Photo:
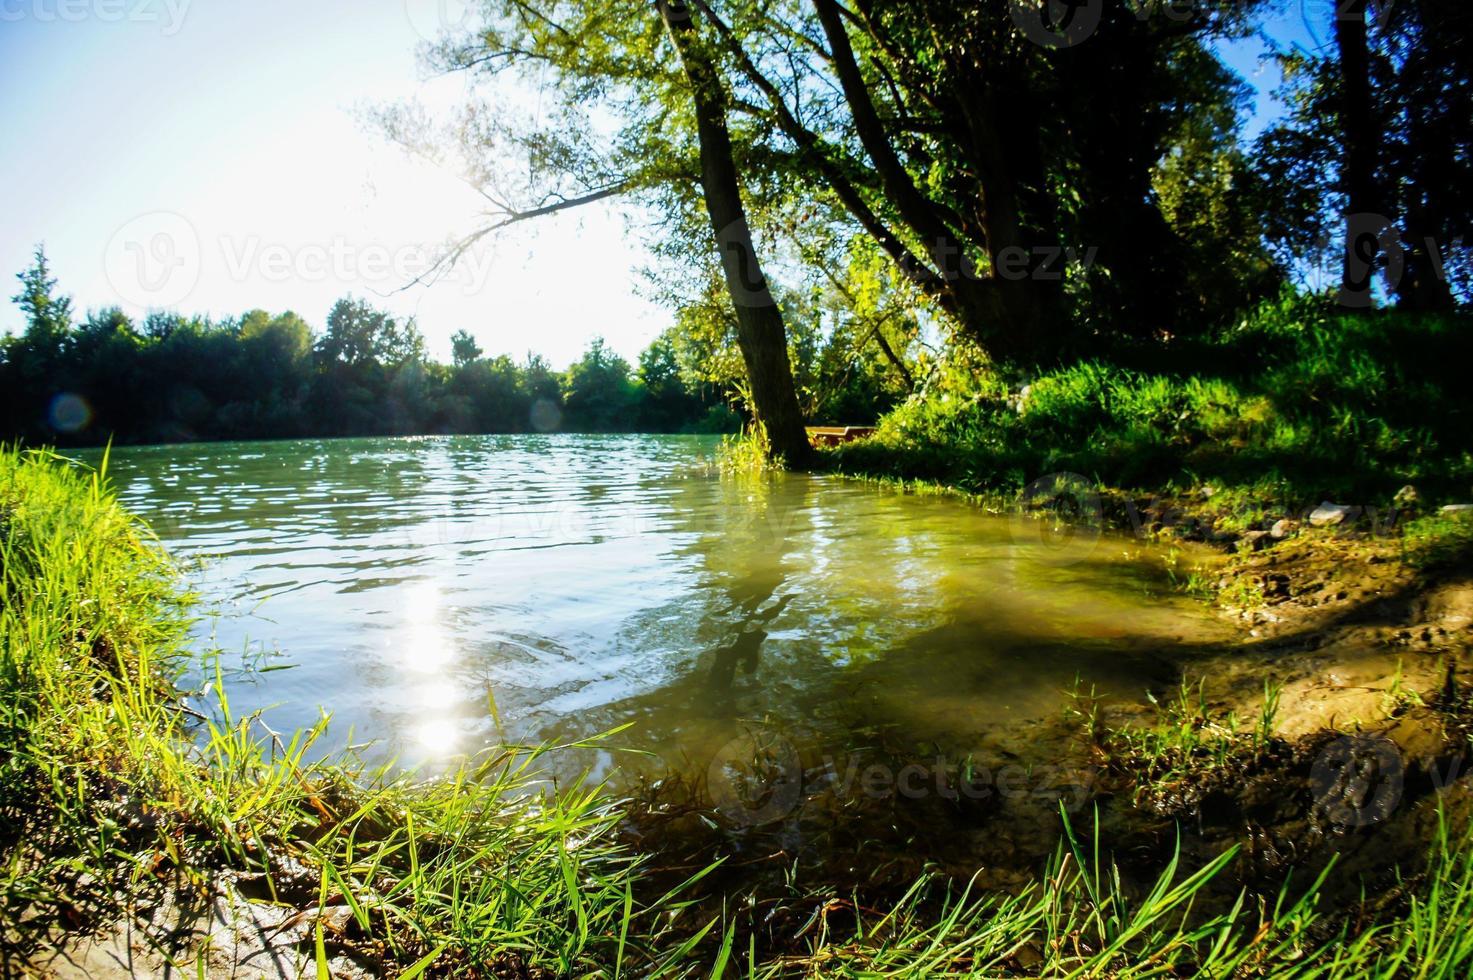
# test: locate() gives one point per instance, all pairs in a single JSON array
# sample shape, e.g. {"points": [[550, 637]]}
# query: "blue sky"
{"points": [[206, 155]]}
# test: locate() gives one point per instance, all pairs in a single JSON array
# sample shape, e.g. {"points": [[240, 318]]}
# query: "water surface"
{"points": [[438, 595]]}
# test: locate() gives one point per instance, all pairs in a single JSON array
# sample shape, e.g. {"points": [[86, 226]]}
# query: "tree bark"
{"points": [[1012, 311], [1358, 132], [761, 333]]}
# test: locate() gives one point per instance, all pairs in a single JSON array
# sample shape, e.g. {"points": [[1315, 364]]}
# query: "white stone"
{"points": [[1328, 514]]}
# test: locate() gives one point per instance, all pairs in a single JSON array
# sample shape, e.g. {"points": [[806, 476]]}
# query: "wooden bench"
{"points": [[834, 435]]}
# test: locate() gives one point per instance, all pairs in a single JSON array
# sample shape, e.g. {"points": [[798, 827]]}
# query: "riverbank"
{"points": [[148, 828], [1322, 452]]}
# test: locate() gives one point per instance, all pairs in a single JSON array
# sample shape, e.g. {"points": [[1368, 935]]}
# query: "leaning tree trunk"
{"points": [[1359, 136], [760, 331]]}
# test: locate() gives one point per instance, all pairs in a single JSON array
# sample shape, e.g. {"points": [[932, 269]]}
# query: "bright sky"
{"points": [[205, 155]]}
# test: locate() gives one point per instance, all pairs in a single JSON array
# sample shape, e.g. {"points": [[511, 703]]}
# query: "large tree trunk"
{"points": [[1015, 311], [1359, 136], [761, 333], [1423, 285]]}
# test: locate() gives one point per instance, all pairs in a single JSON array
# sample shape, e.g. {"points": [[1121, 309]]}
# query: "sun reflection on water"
{"points": [[426, 653], [437, 736]]}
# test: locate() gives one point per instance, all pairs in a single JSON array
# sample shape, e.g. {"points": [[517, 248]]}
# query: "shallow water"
{"points": [[438, 595]]}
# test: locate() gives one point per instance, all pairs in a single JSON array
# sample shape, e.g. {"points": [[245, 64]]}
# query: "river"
{"points": [[441, 595]]}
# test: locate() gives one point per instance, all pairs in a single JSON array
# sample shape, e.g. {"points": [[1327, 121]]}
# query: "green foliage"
{"points": [[48, 316], [1440, 542], [463, 348], [265, 376], [1298, 399], [598, 392]]}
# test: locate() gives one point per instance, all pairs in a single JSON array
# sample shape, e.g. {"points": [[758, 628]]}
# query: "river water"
{"points": [[440, 595]]}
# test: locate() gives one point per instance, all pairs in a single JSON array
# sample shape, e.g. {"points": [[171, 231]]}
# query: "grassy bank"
{"points": [[1295, 404], [116, 794], [124, 802]]}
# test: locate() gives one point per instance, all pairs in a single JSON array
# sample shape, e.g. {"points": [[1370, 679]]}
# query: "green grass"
{"points": [[107, 783], [110, 785], [1185, 748], [1298, 402], [1440, 542], [1079, 920]]}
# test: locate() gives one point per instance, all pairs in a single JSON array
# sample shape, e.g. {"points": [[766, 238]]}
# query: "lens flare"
{"points": [[69, 412]]}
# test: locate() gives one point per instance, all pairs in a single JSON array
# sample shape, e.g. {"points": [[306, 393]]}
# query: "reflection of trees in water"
{"points": [[747, 647], [748, 528]]}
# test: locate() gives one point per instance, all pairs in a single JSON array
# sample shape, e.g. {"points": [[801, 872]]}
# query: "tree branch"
{"points": [[809, 143], [508, 217], [917, 211]]}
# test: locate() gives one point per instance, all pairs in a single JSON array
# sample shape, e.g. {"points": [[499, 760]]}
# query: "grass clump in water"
{"points": [[749, 452]]}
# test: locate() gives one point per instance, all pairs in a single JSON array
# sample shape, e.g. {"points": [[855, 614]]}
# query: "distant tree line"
{"points": [[171, 377]]}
